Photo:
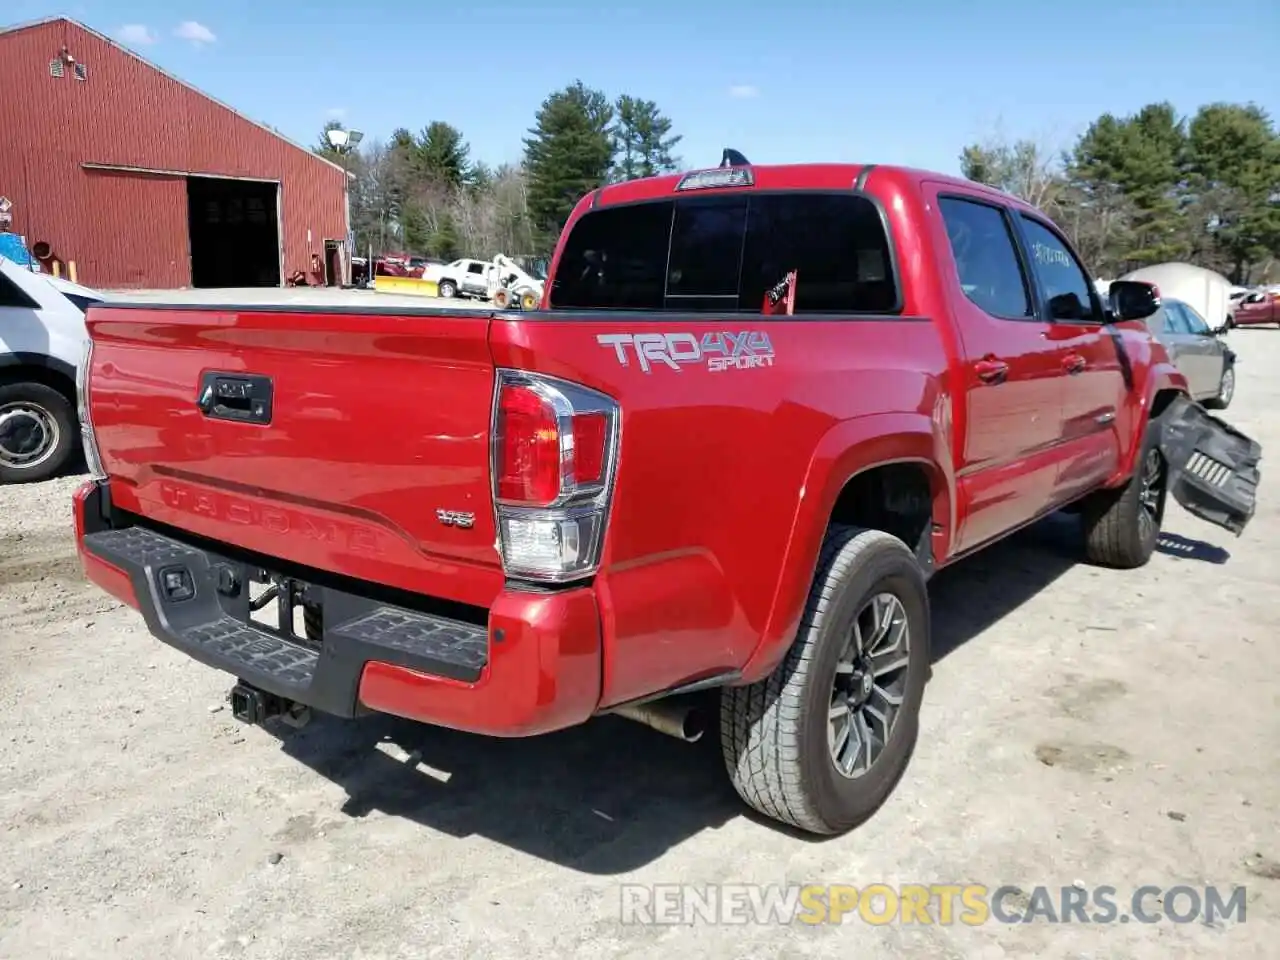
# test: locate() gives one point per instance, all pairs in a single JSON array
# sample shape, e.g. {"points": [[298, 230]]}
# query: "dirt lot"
{"points": [[1082, 727]]}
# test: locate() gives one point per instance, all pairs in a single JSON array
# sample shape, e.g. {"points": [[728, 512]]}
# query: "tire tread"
{"points": [[760, 724], [1112, 537]]}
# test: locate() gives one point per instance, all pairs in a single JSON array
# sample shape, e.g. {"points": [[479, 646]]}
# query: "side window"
{"points": [[835, 243], [615, 258], [475, 267], [1175, 318], [986, 258], [11, 295], [1195, 323], [1066, 288]]}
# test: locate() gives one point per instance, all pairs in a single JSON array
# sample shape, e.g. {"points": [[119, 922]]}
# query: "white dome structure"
{"points": [[1204, 290]]}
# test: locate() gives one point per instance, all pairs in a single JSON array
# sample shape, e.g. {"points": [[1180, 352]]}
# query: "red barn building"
{"points": [[143, 181]]}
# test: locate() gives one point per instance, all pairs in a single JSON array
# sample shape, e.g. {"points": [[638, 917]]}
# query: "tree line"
{"points": [[424, 193], [1132, 190], [1152, 187]]}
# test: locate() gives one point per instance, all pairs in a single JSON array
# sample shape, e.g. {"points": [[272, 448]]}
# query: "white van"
{"points": [[42, 341]]}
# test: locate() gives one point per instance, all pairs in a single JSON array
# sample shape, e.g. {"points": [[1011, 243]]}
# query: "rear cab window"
{"points": [[1069, 295], [724, 253], [986, 258]]}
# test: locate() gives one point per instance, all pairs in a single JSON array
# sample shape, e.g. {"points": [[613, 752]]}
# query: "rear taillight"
{"points": [[554, 448], [87, 439]]}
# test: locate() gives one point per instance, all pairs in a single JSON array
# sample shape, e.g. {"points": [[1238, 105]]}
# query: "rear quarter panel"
{"points": [[726, 478]]}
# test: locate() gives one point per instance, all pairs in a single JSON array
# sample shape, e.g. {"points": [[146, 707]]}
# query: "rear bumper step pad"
{"points": [[1214, 467], [210, 625]]}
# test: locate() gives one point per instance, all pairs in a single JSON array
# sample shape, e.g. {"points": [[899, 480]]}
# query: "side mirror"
{"points": [[1133, 299]]}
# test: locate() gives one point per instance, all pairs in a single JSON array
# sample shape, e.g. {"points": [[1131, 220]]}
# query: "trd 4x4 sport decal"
{"points": [[718, 351]]}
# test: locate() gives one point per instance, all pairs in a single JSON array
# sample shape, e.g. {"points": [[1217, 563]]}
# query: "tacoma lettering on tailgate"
{"points": [[719, 351], [275, 520]]}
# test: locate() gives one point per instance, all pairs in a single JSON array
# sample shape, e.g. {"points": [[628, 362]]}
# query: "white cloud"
{"points": [[138, 34], [197, 33], [744, 91], [337, 113]]}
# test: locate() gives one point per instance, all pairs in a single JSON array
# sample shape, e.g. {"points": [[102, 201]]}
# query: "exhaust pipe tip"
{"points": [[682, 721], [693, 727]]}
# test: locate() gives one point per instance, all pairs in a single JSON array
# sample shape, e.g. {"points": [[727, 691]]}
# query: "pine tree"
{"points": [[440, 155], [1234, 179], [568, 153], [642, 139], [1143, 156]]}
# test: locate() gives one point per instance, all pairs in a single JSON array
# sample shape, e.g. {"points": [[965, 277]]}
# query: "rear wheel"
{"points": [[37, 432], [821, 742], [1226, 389], [1122, 526]]}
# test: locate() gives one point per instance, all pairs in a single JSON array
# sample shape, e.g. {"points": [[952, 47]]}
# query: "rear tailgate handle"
{"points": [[1073, 363], [244, 397], [1213, 467]]}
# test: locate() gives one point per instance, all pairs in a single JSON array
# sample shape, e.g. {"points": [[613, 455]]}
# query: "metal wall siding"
{"points": [[130, 229]]}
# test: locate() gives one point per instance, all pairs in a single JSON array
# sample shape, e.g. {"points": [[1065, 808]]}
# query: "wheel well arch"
{"points": [[33, 368], [1160, 402], [900, 497]]}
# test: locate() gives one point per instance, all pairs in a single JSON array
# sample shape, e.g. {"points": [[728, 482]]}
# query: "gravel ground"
{"points": [[1082, 727]]}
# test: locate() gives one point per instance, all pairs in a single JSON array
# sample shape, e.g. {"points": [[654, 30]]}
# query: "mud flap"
{"points": [[1213, 467]]}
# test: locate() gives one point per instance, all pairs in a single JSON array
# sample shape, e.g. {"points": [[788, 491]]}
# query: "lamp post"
{"points": [[343, 142]]}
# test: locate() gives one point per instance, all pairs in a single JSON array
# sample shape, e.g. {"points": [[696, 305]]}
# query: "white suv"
{"points": [[42, 341]]}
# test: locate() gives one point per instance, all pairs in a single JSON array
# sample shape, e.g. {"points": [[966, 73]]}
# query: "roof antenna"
{"points": [[732, 158]]}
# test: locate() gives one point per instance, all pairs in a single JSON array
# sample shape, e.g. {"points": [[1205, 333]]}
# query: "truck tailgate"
{"points": [[336, 440]]}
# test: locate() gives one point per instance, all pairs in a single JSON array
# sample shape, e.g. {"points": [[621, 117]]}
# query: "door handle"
{"points": [[991, 370], [1073, 363]]}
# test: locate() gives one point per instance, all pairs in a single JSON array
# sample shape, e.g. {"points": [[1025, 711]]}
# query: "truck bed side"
{"points": [[713, 468]]}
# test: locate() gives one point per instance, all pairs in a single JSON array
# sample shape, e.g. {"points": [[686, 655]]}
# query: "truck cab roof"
{"points": [[795, 176]]}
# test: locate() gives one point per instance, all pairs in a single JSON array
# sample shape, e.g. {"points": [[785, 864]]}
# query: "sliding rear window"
{"points": [[721, 254]]}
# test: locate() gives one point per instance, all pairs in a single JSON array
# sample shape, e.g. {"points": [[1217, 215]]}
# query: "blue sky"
{"points": [[802, 80]]}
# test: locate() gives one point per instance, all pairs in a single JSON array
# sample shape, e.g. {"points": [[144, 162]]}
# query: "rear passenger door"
{"points": [[1175, 334], [1205, 350], [1010, 376], [1088, 354]]}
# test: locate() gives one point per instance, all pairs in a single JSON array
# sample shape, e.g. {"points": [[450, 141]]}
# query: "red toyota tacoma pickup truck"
{"points": [[758, 407]]}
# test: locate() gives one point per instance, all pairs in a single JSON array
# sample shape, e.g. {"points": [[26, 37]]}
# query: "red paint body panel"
{"points": [[692, 558], [129, 228], [379, 421], [543, 676], [1266, 310], [110, 578], [725, 481]]}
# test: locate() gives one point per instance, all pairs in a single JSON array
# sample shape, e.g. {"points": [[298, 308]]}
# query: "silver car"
{"points": [[1197, 350]]}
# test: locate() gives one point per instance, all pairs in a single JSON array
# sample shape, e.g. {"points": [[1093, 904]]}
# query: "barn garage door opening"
{"points": [[235, 233]]}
